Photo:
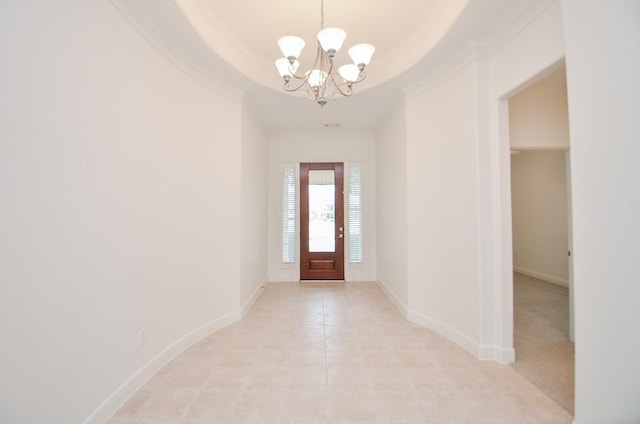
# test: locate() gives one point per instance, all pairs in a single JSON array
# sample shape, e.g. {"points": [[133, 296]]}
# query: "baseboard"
{"points": [[492, 353], [248, 304], [404, 310], [482, 352], [495, 353], [506, 356], [450, 333], [128, 388], [321, 281], [541, 276]]}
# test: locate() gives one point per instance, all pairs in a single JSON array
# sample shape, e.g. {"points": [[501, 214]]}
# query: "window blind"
{"points": [[355, 213], [289, 214]]}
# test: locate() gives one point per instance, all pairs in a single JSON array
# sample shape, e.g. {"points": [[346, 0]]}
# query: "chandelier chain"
{"points": [[321, 14]]}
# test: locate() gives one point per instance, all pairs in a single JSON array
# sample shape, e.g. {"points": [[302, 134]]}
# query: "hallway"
{"points": [[333, 353]]}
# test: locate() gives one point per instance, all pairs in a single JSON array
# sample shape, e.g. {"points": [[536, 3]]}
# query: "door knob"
{"points": [[340, 235]]}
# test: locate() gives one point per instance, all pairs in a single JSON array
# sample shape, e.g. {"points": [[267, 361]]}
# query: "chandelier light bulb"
{"points": [[331, 39], [291, 46]]}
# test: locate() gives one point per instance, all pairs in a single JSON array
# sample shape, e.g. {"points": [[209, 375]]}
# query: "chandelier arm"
{"points": [[361, 77], [329, 62], [346, 90], [288, 86], [300, 77], [341, 86]]}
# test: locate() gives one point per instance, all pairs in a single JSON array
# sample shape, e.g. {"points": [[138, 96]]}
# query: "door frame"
{"points": [[329, 265], [288, 150]]}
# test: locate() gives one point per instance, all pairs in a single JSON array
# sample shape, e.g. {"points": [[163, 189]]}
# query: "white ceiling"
{"points": [[244, 32], [233, 43]]}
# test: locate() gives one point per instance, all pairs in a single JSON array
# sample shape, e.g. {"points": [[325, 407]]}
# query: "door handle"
{"points": [[340, 235]]}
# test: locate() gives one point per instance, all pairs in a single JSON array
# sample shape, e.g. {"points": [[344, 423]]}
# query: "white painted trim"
{"points": [[450, 333], [539, 143], [509, 28], [485, 353], [136, 14], [404, 310], [129, 387], [572, 315], [502, 226], [298, 147], [505, 356], [448, 69], [248, 304], [495, 353], [491, 353], [297, 137], [541, 276]]}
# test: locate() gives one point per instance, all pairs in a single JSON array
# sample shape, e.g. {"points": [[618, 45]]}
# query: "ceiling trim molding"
{"points": [[444, 72], [525, 13], [135, 14], [415, 49], [225, 46], [257, 68]]}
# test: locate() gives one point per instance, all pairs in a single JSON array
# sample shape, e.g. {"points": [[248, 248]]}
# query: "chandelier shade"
{"points": [[331, 39], [349, 72], [323, 80], [286, 68], [291, 46], [361, 54], [316, 78]]}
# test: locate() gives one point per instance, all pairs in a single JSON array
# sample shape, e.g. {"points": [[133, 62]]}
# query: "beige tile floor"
{"points": [[544, 353], [333, 353]]}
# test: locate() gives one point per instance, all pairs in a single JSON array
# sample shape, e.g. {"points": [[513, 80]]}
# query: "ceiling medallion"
{"points": [[322, 81]]}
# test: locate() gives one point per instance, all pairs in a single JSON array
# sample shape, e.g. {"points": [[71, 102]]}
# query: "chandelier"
{"points": [[322, 81]]}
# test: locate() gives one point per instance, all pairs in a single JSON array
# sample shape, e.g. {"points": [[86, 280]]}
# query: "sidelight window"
{"points": [[355, 213], [289, 214]]}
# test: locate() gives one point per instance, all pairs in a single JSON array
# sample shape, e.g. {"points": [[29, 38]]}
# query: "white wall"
{"points": [[328, 146], [391, 207], [531, 52], [518, 59], [442, 208], [539, 117], [254, 183], [603, 64], [458, 184], [120, 210], [540, 233]]}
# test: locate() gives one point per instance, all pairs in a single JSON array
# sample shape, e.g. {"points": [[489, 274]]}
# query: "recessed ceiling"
{"points": [[231, 45], [245, 32]]}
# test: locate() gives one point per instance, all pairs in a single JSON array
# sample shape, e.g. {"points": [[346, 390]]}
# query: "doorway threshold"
{"points": [[322, 281]]}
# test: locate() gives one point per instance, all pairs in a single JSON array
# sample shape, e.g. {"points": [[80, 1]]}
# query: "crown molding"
{"points": [[416, 48], [146, 18], [526, 12], [455, 64]]}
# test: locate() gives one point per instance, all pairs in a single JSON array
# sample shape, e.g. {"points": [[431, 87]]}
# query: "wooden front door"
{"points": [[321, 221]]}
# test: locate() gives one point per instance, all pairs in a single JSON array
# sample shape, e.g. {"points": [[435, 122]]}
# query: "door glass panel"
{"points": [[322, 208]]}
